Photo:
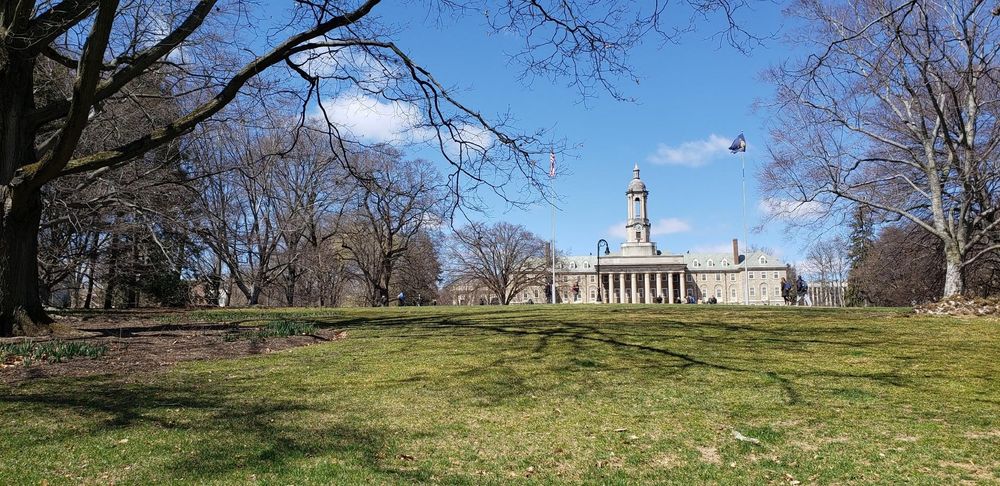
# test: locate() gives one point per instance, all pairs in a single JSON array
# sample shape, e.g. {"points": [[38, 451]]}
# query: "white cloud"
{"points": [[695, 153], [788, 209], [617, 230], [669, 226], [665, 226], [370, 119]]}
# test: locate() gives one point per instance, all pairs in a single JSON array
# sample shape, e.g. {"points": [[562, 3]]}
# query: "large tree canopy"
{"points": [[895, 110], [204, 54]]}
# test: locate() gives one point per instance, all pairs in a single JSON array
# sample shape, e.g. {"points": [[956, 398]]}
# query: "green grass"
{"points": [[582, 394]]}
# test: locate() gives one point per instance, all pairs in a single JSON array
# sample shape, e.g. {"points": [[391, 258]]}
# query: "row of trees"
{"points": [[149, 74]]}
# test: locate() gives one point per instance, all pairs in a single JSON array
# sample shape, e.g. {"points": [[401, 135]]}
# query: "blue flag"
{"points": [[739, 145]]}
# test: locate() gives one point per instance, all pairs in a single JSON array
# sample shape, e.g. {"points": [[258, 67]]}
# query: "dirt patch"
{"points": [[710, 455], [140, 342], [666, 461]]}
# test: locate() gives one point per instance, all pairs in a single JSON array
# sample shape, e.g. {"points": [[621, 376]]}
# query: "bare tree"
{"points": [[827, 266], [208, 53], [895, 110], [395, 199], [504, 258], [241, 212]]}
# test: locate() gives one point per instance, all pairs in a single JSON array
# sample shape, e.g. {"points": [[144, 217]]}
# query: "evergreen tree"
{"points": [[861, 240]]}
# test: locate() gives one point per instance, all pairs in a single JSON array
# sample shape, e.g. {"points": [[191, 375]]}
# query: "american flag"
{"points": [[552, 164]]}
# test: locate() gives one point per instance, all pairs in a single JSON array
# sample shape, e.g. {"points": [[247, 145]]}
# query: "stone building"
{"points": [[639, 273]]}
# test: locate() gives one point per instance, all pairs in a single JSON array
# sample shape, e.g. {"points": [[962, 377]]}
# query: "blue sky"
{"points": [[694, 97]]}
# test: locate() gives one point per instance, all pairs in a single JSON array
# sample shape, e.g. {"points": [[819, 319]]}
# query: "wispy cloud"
{"points": [[668, 226], [665, 226], [694, 153]]}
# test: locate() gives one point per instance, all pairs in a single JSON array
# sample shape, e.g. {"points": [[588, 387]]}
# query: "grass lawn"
{"points": [[584, 394]]}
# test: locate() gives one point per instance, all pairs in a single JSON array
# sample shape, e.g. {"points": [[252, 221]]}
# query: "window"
{"points": [[704, 277], [690, 277], [775, 275], [711, 263], [733, 292], [593, 295], [592, 279], [763, 275], [777, 290], [638, 236], [750, 275], [751, 292], [732, 277], [718, 277], [536, 293], [762, 260], [763, 291], [718, 292], [572, 265], [696, 263], [586, 264], [725, 262]]}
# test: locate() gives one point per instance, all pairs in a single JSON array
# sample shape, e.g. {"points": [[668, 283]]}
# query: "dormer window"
{"points": [[696, 263], [725, 262], [711, 263], [762, 260]]}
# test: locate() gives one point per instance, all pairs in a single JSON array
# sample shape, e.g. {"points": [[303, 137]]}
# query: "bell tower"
{"points": [[637, 225]]}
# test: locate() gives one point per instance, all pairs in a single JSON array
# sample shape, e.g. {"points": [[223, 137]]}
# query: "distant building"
{"points": [[641, 274]]}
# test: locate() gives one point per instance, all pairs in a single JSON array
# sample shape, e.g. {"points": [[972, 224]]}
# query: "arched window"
{"points": [[762, 260], [711, 262], [725, 262], [763, 291], [718, 292], [751, 292], [696, 263], [572, 265]]}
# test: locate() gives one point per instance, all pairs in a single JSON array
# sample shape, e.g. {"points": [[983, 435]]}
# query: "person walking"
{"points": [[402, 298], [803, 290], [786, 291]]}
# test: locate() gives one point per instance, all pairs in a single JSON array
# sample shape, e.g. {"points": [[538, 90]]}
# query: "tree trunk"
{"points": [[21, 310], [952, 272]]}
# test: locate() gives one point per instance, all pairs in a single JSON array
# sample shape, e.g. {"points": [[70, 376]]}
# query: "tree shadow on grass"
{"points": [[735, 346], [259, 435]]}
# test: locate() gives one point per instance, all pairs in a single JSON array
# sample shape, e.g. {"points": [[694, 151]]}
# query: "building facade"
{"points": [[639, 273]]}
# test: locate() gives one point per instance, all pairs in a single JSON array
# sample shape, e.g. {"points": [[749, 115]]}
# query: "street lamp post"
{"points": [[607, 251]]}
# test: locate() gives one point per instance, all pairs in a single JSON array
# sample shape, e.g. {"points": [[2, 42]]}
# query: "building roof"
{"points": [[636, 185], [700, 261]]}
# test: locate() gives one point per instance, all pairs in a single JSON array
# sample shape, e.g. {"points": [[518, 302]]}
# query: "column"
{"points": [[670, 286], [645, 281], [659, 285], [610, 296], [621, 288], [684, 294], [632, 297]]}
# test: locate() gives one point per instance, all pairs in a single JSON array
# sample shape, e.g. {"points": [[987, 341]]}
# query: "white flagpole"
{"points": [[552, 182], [746, 242], [553, 249]]}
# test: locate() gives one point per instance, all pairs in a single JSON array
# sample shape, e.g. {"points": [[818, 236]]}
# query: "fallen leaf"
{"points": [[407, 457]]}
